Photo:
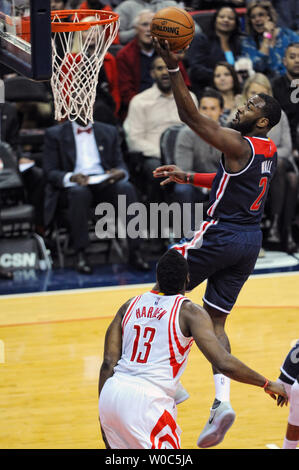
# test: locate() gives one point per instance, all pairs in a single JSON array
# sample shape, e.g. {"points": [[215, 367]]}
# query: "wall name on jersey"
{"points": [[266, 167], [151, 312]]}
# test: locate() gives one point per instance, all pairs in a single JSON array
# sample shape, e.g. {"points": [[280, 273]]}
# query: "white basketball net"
{"points": [[76, 61]]}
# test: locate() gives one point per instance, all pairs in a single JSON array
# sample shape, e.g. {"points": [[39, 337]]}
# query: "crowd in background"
{"points": [[242, 48]]}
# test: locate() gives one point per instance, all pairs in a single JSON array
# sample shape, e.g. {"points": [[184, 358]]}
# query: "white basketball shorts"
{"points": [[135, 414]]}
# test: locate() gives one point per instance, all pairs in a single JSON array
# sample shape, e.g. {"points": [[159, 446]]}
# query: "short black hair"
{"points": [[292, 44], [209, 92], [154, 58], [271, 110], [172, 271]]}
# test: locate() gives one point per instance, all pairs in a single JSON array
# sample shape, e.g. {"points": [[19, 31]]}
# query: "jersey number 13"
{"points": [[143, 343]]}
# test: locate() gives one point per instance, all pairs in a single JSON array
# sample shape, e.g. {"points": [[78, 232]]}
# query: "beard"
{"points": [[164, 87], [243, 127], [294, 75]]}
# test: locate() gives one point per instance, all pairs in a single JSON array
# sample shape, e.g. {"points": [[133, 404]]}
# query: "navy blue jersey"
{"points": [[240, 197], [290, 367]]}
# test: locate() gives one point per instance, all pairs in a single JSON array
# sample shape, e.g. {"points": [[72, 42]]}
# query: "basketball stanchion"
{"points": [[80, 40]]}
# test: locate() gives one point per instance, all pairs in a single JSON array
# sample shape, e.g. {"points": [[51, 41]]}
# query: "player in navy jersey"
{"points": [[225, 248], [289, 377]]}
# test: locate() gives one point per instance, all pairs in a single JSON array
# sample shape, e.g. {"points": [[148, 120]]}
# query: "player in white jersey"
{"points": [[146, 350]]}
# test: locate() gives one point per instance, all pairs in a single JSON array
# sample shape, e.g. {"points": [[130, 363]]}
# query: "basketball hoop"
{"points": [[79, 46]]}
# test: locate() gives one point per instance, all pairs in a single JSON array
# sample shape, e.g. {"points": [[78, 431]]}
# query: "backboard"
{"points": [[25, 37]]}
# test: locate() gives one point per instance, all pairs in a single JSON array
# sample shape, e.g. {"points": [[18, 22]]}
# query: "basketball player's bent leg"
{"points": [[222, 416], [289, 376], [291, 439], [222, 291], [223, 288]]}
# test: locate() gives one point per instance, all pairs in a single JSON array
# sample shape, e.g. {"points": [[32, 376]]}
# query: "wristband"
{"points": [[204, 180], [188, 178], [267, 35], [266, 384], [173, 70]]}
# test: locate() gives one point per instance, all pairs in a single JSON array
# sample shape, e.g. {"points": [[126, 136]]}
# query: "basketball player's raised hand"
{"points": [[162, 48], [172, 173]]}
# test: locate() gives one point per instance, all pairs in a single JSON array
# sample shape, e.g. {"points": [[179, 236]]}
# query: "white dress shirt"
{"points": [[150, 113], [88, 159]]}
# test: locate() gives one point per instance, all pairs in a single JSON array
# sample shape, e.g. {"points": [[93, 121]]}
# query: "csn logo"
{"points": [[295, 93]]}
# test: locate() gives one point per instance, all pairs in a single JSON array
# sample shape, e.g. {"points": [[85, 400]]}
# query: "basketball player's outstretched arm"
{"points": [[195, 322], [228, 141]]}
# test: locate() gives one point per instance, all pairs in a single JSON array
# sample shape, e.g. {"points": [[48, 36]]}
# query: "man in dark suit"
{"points": [[74, 151]]}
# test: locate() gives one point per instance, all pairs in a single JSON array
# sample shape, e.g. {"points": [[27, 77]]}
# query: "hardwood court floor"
{"points": [[51, 347]]}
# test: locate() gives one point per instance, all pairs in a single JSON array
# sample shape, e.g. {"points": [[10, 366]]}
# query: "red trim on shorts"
{"points": [[165, 420]]}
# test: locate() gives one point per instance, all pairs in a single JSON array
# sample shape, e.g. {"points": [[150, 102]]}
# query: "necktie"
{"points": [[88, 130]]}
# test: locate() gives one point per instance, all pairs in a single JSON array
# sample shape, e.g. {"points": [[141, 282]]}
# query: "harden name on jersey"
{"points": [[150, 312]]}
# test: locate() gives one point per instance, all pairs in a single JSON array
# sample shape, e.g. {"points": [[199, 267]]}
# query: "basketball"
{"points": [[175, 25]]}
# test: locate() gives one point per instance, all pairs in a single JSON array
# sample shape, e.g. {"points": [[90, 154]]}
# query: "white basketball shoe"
{"points": [[221, 418]]}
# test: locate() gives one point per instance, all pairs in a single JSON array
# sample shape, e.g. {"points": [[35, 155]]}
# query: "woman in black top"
{"points": [[221, 43]]}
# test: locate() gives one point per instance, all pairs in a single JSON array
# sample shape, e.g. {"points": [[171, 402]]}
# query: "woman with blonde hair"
{"points": [[265, 43], [284, 186]]}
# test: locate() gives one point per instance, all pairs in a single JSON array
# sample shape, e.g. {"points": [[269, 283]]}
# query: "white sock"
{"points": [[222, 387], [289, 444]]}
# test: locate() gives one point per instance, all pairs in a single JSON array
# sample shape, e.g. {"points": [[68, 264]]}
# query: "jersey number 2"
{"points": [[148, 336], [257, 203]]}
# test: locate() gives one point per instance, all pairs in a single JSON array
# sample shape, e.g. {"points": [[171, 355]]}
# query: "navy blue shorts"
{"points": [[225, 254]]}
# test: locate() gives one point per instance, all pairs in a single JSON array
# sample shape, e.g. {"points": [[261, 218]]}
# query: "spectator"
{"points": [[35, 117], [244, 70], [209, 4], [266, 43], [223, 43], [96, 5], [150, 113], [5, 7], [134, 62], [58, 4], [288, 13], [9, 124], [4, 274], [286, 91], [226, 81], [60, 39], [129, 9], [192, 153], [72, 153], [283, 191], [29, 118]]}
